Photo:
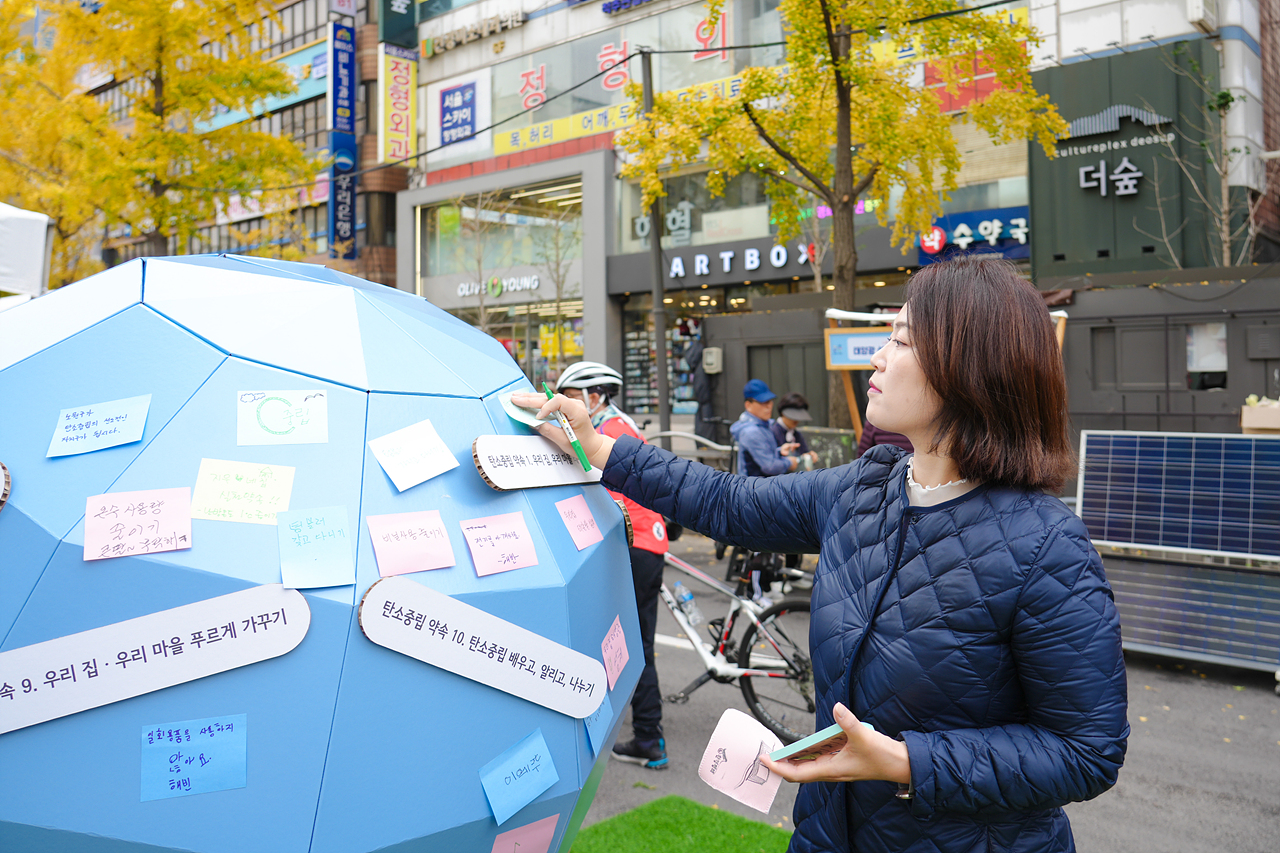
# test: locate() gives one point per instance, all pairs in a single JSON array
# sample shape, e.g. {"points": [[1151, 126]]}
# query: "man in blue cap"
{"points": [[758, 454]]}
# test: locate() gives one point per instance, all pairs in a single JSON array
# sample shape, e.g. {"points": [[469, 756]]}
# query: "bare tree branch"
{"points": [[826, 193]]}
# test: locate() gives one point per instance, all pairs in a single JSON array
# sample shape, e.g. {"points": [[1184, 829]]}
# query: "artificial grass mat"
{"points": [[676, 825]]}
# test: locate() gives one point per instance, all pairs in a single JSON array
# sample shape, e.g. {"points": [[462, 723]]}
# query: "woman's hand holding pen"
{"points": [[597, 447]]}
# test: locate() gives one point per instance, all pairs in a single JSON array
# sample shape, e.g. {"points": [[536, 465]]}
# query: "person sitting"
{"points": [[758, 454], [793, 410]]}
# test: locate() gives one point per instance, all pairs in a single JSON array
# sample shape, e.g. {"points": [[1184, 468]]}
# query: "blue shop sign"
{"points": [[1003, 231]]}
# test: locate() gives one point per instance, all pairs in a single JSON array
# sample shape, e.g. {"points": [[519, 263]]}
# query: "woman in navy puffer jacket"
{"points": [[956, 607]]}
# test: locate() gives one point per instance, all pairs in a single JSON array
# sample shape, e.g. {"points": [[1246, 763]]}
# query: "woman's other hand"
{"points": [[867, 755], [596, 446]]}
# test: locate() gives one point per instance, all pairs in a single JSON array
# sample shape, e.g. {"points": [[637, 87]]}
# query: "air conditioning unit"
{"points": [[1203, 15]]}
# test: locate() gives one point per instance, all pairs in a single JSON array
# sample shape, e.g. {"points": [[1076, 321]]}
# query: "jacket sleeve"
{"points": [[776, 514], [760, 444], [1065, 643]]}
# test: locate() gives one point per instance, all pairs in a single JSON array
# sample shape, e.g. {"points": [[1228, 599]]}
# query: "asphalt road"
{"points": [[1202, 773]]}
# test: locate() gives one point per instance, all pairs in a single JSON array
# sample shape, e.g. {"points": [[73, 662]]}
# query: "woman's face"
{"points": [[899, 398]]}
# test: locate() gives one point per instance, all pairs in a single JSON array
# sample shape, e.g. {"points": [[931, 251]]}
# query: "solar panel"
{"points": [[1195, 493]]}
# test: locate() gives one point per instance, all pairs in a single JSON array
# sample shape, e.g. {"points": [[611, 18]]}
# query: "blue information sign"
{"points": [[457, 113], [851, 349], [342, 82], [342, 196]]}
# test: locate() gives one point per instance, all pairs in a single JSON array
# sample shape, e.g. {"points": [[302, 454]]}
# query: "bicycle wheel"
{"points": [[784, 700]]}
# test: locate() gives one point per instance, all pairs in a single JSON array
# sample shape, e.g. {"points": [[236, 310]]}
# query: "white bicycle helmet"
{"points": [[585, 375]]}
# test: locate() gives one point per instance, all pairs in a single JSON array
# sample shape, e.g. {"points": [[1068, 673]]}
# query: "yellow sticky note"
{"points": [[247, 492]]}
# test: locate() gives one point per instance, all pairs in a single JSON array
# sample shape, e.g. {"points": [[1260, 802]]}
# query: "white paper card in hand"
{"points": [[731, 763]]}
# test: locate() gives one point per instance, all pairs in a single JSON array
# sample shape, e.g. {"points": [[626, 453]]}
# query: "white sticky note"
{"points": [[241, 491], [412, 455], [99, 425], [282, 417], [315, 548]]}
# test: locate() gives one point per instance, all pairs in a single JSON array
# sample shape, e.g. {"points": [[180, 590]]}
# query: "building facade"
{"points": [[510, 138]]}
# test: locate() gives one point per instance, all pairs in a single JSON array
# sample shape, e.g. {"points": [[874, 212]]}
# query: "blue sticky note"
{"points": [[518, 776], [599, 723], [195, 757], [315, 547], [98, 426]]}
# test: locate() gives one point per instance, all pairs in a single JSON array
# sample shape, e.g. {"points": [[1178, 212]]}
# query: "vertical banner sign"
{"points": [[342, 78], [396, 23], [342, 142], [397, 103]]}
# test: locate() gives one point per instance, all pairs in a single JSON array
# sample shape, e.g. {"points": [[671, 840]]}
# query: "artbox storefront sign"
{"points": [[773, 260]]}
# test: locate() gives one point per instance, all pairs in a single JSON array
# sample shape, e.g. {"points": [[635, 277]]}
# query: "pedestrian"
{"points": [[596, 385], [758, 454], [793, 410], [957, 607]]}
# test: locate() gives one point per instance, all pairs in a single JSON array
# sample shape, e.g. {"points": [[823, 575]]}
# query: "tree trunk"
{"points": [[843, 238], [1224, 175]]}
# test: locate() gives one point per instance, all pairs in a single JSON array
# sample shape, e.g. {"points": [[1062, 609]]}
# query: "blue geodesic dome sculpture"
{"points": [[351, 746]]}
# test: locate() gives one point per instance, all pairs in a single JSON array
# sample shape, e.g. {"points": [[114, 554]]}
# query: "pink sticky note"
{"points": [[530, 838], [130, 523], [731, 762], [410, 542], [500, 543], [615, 651], [581, 523]]}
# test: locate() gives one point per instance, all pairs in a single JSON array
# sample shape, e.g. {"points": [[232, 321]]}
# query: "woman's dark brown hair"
{"points": [[986, 344]]}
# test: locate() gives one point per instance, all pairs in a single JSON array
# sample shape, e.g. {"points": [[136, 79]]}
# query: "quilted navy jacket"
{"points": [[980, 631]]}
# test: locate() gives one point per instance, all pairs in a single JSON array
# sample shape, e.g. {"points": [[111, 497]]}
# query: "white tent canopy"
{"points": [[25, 244]]}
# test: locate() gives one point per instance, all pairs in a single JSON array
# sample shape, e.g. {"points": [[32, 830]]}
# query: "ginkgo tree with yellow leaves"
{"points": [[154, 167], [843, 118]]}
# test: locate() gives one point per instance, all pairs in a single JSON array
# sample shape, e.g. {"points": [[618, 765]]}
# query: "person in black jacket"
{"points": [[957, 608]]}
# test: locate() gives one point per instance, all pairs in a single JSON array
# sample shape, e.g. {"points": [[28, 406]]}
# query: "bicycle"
{"points": [[771, 663]]}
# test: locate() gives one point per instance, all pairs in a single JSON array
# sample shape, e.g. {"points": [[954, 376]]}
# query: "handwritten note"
{"points": [[149, 653], [282, 417], [531, 838], [412, 455], [500, 543], [518, 776], [129, 523], [731, 762], [615, 651], [241, 491], [315, 548], [195, 757], [410, 542], [581, 523], [599, 723], [85, 429]]}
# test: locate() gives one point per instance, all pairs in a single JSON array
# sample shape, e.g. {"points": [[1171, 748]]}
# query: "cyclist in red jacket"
{"points": [[596, 385]]}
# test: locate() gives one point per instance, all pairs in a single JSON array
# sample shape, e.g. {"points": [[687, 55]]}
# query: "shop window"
{"points": [[691, 216], [1206, 356], [528, 226]]}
